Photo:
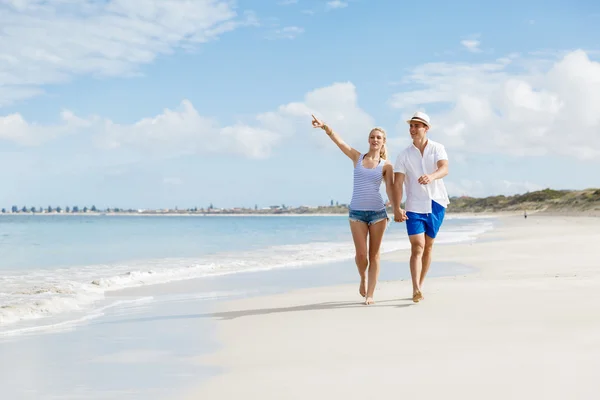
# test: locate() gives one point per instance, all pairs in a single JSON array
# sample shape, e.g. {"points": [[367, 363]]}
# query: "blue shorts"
{"points": [[368, 217], [428, 223]]}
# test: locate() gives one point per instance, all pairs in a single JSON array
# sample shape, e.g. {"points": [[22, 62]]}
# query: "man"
{"points": [[420, 169]]}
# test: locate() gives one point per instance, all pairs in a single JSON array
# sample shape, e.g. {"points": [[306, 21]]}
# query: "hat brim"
{"points": [[419, 120]]}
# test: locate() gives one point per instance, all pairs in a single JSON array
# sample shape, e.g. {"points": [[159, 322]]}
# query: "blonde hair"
{"points": [[383, 151]]}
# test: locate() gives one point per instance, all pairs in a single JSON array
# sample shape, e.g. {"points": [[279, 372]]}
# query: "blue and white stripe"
{"points": [[367, 181]]}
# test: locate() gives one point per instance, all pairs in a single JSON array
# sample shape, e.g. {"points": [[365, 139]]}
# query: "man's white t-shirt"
{"points": [[410, 163]]}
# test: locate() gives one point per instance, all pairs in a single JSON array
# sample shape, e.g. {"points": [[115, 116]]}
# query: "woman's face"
{"points": [[376, 139]]}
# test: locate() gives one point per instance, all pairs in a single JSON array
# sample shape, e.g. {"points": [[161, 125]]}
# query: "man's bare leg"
{"points": [[376, 232], [417, 245], [426, 259], [360, 231]]}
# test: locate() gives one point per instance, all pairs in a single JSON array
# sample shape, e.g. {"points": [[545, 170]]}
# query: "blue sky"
{"points": [[141, 103]]}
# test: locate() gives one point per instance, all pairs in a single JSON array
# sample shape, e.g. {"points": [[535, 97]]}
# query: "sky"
{"points": [[163, 104]]}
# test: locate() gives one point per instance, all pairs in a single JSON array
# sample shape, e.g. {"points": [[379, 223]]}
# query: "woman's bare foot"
{"points": [[369, 301], [362, 289]]}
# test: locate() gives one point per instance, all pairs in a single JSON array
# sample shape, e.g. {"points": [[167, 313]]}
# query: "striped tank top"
{"points": [[367, 181]]}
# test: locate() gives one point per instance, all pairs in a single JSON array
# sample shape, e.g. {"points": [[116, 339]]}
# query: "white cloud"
{"points": [[9, 95], [184, 130], [338, 106], [174, 131], [336, 4], [512, 105], [288, 32], [471, 45], [50, 41], [14, 128]]}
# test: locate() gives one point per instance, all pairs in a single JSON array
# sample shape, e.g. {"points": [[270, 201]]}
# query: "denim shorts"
{"points": [[368, 217], [429, 223]]}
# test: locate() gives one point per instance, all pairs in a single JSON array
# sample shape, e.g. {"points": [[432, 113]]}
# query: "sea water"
{"points": [[58, 269]]}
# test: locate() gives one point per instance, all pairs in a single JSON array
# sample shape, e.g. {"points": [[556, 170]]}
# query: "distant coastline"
{"points": [[290, 211], [565, 202]]}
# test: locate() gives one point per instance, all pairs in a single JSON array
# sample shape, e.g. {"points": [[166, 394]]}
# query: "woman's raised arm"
{"points": [[352, 153]]}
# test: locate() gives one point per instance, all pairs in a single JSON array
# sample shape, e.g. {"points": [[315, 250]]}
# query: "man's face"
{"points": [[418, 130]]}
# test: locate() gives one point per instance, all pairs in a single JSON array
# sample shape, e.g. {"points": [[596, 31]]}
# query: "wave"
{"points": [[45, 293]]}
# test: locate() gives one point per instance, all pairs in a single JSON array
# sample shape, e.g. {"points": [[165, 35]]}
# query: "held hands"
{"points": [[425, 179], [400, 215]]}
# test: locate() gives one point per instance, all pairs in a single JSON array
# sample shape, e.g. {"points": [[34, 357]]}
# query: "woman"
{"points": [[368, 217]]}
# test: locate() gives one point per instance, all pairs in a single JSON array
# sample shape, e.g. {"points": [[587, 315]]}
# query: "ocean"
{"points": [[121, 307], [59, 269]]}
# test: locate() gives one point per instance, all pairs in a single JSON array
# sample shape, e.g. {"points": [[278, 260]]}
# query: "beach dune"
{"points": [[525, 325]]}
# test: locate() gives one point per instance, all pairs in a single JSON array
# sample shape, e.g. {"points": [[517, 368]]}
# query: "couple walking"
{"points": [[419, 169]]}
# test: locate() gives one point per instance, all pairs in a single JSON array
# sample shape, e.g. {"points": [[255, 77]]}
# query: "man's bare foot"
{"points": [[362, 289], [369, 301], [417, 296]]}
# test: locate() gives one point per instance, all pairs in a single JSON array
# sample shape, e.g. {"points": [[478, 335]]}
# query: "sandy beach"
{"points": [[525, 325]]}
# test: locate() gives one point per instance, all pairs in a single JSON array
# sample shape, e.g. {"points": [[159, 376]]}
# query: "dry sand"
{"points": [[526, 325]]}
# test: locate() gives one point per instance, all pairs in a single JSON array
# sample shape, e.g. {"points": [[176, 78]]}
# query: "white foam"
{"points": [[40, 294], [69, 324], [122, 307]]}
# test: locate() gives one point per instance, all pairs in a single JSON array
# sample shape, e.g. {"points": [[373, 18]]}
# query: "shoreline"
{"points": [[132, 335], [134, 214], [524, 290], [95, 288], [452, 214]]}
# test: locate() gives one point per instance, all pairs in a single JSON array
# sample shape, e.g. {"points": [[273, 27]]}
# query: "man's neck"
{"points": [[420, 143]]}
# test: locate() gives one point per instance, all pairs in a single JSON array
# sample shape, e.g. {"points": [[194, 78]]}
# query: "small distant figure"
{"points": [[525, 214]]}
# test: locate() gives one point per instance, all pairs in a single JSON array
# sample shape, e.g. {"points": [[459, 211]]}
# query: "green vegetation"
{"points": [[547, 199]]}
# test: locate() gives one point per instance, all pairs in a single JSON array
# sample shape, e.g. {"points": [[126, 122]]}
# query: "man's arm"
{"points": [[399, 214], [442, 170], [397, 189], [439, 173]]}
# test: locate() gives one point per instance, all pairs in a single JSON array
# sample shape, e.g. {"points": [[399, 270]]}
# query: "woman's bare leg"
{"points": [[360, 231], [376, 232]]}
